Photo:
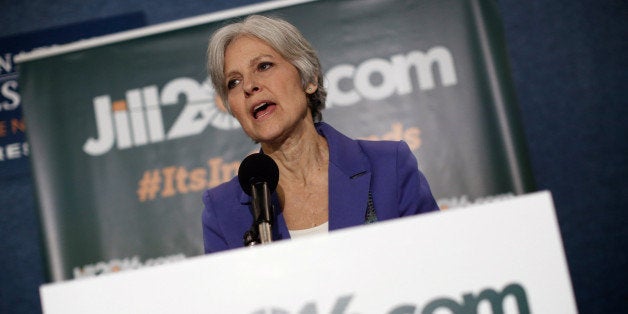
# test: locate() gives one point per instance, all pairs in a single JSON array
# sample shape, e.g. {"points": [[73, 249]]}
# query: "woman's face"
{"points": [[264, 90]]}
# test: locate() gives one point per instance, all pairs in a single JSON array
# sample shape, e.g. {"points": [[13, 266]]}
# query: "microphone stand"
{"points": [[261, 231]]}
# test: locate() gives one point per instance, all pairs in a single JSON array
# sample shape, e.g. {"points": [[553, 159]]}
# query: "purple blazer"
{"points": [[386, 169]]}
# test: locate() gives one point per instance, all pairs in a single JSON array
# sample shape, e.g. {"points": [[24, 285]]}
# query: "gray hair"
{"points": [[282, 36]]}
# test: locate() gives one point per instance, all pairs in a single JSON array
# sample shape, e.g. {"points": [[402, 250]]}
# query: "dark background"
{"points": [[569, 65]]}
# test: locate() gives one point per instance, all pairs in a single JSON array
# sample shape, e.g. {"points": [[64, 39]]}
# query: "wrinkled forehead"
{"points": [[246, 51]]}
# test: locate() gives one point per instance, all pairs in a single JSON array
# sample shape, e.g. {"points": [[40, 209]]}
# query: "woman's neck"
{"points": [[300, 155]]}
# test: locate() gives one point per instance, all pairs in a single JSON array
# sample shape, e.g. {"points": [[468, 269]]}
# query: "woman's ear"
{"points": [[311, 88]]}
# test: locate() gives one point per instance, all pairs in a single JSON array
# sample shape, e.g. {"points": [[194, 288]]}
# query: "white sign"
{"points": [[503, 257]]}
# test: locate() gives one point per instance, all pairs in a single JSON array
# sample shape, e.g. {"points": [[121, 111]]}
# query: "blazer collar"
{"points": [[345, 153]]}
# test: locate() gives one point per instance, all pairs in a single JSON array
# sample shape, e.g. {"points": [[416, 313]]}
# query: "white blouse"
{"points": [[320, 229]]}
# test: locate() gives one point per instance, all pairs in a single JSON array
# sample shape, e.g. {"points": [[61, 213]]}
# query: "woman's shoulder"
{"points": [[387, 156], [384, 148], [223, 192]]}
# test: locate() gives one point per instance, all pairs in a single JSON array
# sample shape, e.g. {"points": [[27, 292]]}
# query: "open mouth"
{"points": [[262, 109]]}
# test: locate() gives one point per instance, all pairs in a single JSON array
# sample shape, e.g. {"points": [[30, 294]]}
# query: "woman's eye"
{"points": [[232, 83], [264, 66]]}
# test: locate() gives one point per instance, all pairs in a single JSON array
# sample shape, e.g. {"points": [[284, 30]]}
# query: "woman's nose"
{"points": [[250, 87]]}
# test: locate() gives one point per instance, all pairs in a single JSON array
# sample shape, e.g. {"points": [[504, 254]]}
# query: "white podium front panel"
{"points": [[503, 257]]}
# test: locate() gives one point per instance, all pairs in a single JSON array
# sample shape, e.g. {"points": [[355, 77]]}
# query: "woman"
{"points": [[270, 79]]}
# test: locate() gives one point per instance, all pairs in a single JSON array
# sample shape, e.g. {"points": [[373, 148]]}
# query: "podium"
{"points": [[502, 257]]}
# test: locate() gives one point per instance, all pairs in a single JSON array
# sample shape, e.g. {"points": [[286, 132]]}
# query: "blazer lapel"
{"points": [[348, 198], [349, 179]]}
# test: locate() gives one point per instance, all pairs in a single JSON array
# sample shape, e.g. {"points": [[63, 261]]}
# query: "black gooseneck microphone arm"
{"points": [[261, 200], [259, 176]]}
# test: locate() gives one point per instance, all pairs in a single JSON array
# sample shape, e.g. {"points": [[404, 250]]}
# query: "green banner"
{"points": [[127, 134]]}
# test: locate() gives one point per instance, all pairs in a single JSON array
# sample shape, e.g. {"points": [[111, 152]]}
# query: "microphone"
{"points": [[258, 175]]}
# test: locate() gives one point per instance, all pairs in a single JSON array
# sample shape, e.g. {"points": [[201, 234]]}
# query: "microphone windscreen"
{"points": [[256, 168]]}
